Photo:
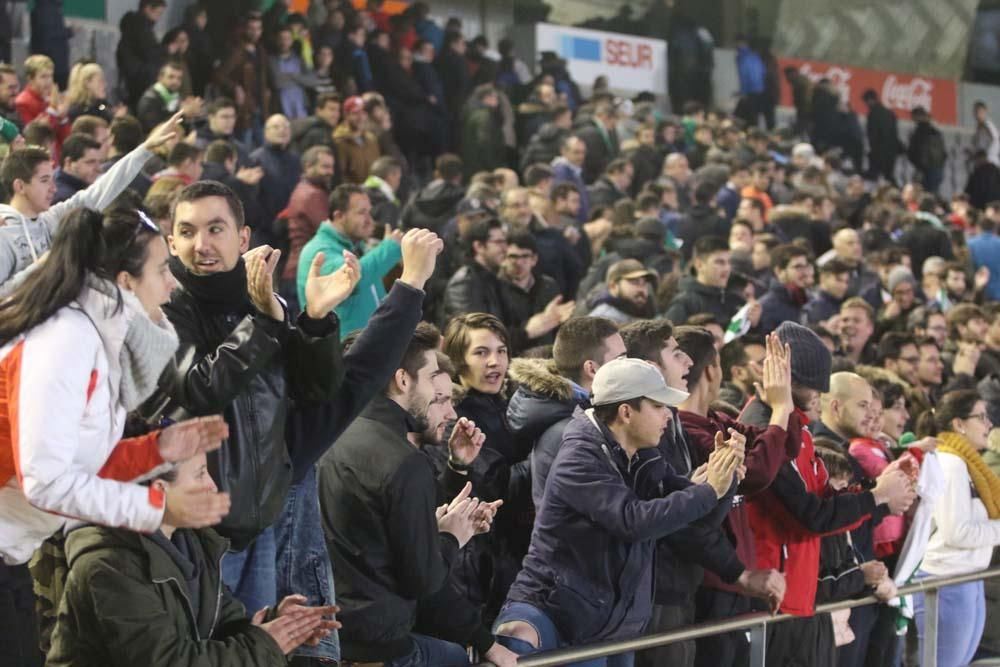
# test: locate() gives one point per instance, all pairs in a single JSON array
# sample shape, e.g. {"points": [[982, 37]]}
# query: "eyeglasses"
{"points": [[514, 257], [910, 360], [982, 416]]}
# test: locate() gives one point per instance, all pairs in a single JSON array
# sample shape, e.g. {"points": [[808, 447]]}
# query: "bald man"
{"points": [[847, 411], [282, 169], [848, 249]]}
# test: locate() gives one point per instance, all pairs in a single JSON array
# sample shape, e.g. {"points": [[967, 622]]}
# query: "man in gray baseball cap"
{"points": [[605, 505]]}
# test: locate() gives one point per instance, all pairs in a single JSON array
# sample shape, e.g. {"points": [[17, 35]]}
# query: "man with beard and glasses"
{"points": [[307, 209], [391, 548], [630, 293]]}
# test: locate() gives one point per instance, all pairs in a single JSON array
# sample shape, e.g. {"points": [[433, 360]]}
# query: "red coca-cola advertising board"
{"points": [[900, 92]]}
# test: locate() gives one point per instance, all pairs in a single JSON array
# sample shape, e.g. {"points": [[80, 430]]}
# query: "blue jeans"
{"points": [[250, 574], [431, 652], [303, 564], [961, 619], [548, 636]]}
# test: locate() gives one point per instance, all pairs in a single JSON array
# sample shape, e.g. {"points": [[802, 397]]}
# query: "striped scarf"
{"points": [[985, 480]]}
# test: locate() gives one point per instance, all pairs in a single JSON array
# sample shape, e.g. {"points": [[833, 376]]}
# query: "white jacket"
{"points": [[963, 536], [60, 423]]}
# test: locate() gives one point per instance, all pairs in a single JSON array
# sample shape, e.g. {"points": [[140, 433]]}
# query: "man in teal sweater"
{"points": [[348, 229]]}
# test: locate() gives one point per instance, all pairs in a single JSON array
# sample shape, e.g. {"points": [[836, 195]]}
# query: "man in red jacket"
{"points": [[789, 517], [307, 208], [768, 448]]}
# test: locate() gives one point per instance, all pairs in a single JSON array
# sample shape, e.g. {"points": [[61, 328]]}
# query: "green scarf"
{"points": [[170, 99]]}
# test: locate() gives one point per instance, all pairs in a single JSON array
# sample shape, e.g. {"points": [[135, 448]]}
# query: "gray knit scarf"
{"points": [[138, 349]]}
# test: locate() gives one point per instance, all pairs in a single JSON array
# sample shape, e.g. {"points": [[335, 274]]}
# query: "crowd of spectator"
{"points": [[332, 337]]}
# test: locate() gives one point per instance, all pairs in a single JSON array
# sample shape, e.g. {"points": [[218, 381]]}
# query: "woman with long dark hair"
{"points": [[965, 525], [83, 342]]}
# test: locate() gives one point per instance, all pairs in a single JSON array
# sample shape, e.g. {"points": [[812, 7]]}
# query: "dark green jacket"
{"points": [[126, 603]]}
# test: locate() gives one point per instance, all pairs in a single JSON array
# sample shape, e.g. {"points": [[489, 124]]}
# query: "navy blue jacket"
{"points": [[67, 185], [590, 563], [821, 307], [777, 306], [282, 169]]}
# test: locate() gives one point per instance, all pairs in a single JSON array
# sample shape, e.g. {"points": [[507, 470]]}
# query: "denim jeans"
{"points": [[431, 652], [250, 574], [548, 636], [303, 564], [961, 619]]}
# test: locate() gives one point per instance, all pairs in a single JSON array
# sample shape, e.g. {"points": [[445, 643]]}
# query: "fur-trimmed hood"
{"points": [[542, 399], [540, 377]]}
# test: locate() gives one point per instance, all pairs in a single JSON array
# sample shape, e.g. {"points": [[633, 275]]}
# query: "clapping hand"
{"points": [[466, 441], [261, 262], [180, 441], [324, 293]]}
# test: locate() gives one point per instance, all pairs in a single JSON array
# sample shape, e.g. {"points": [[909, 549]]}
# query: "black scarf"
{"points": [[645, 312], [224, 292]]}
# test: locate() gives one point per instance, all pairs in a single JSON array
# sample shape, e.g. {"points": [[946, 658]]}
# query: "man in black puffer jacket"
{"points": [[549, 392]]}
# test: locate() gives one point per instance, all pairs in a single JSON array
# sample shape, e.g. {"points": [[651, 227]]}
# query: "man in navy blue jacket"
{"points": [[609, 497]]}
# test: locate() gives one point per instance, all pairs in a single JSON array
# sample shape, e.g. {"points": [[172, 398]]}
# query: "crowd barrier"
{"points": [[757, 626]]}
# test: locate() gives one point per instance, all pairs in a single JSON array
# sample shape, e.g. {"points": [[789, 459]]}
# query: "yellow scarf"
{"points": [[985, 480]]}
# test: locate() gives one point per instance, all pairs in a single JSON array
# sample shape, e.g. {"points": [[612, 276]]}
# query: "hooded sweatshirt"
{"points": [[23, 240]]}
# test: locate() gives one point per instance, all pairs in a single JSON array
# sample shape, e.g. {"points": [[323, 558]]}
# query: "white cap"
{"points": [[625, 379]]}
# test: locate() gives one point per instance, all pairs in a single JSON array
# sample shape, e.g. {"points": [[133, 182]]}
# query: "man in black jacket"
{"points": [[601, 138], [706, 292], [701, 220], [528, 292], [139, 53], [390, 548], [242, 356], [613, 185], [883, 138]]}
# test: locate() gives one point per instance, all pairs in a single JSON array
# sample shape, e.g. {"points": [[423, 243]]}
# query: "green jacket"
{"points": [[357, 309], [126, 603]]}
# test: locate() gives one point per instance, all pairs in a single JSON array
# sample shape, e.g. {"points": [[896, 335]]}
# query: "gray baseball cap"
{"points": [[625, 379]]}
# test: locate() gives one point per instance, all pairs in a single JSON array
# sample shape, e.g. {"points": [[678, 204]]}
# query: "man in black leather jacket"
{"points": [[246, 359]]}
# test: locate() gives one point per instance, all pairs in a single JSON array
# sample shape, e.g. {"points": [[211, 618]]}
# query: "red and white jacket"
{"points": [[61, 457]]}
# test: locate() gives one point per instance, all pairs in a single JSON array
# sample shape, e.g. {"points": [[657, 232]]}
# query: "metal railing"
{"points": [[757, 625]]}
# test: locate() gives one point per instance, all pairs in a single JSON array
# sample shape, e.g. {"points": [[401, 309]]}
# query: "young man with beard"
{"points": [[847, 411], [789, 517], [307, 208], [548, 392], [390, 547], [707, 291], [163, 98], [630, 293], [898, 353], [588, 575], [788, 294], [768, 448]]}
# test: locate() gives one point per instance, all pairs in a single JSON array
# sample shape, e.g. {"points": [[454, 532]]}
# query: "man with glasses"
{"points": [[788, 294], [533, 298], [897, 352]]}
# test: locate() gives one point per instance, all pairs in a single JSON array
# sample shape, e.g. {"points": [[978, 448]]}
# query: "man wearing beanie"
{"points": [[788, 518]]}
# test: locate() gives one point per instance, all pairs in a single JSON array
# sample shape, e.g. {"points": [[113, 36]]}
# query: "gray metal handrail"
{"points": [[757, 624]]}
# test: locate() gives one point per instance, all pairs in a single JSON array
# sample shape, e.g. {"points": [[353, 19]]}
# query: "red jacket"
{"points": [[30, 105], [789, 518], [768, 448], [307, 208]]}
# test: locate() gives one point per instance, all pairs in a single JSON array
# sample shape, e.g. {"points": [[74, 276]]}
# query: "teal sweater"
{"points": [[355, 311]]}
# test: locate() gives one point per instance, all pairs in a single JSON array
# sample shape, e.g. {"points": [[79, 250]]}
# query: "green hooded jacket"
{"points": [[126, 603]]}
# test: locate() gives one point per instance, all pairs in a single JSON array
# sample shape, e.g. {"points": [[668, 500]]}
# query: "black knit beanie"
{"points": [[810, 359]]}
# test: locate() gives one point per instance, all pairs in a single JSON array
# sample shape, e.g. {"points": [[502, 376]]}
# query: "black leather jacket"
{"points": [[248, 367]]}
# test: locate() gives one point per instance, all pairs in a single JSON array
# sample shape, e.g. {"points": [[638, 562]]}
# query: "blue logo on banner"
{"points": [[581, 48]]}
